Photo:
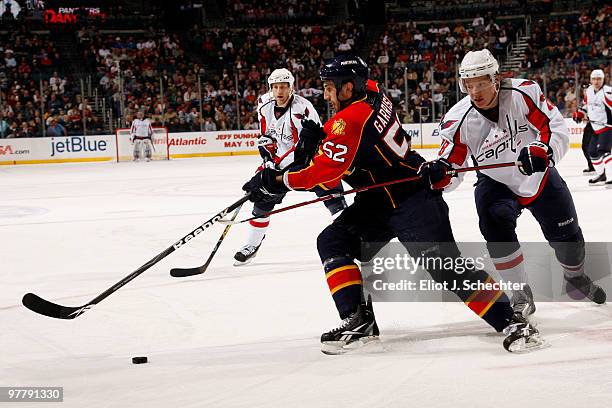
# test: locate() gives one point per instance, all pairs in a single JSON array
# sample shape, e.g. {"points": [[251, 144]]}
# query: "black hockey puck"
{"points": [[139, 360]]}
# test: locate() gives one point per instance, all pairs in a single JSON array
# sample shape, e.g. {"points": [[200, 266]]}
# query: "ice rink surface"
{"points": [[249, 337]]}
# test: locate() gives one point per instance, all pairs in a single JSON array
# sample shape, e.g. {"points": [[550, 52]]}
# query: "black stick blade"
{"points": [[184, 272], [41, 306]]}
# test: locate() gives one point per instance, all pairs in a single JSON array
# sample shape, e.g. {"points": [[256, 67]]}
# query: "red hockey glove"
{"points": [[578, 116], [436, 173], [535, 157]]}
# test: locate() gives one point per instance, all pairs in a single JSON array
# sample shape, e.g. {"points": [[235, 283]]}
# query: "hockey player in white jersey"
{"points": [[282, 117], [141, 134], [507, 121], [597, 105]]}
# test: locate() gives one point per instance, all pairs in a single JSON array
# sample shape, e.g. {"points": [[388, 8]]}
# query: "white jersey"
{"points": [[525, 116], [285, 129], [599, 108], [141, 128]]}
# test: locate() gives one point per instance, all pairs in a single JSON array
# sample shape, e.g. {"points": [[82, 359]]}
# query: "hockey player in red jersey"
{"points": [[365, 144], [504, 121]]}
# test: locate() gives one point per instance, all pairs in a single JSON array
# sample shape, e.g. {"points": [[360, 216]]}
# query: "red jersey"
{"points": [[365, 144]]}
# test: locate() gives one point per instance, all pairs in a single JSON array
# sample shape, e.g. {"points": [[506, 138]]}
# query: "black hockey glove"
{"points": [[435, 172], [311, 136], [535, 157], [263, 186]]}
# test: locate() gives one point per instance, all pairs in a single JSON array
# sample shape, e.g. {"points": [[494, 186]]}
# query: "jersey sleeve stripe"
{"points": [[384, 188], [459, 151], [294, 132], [383, 156], [537, 118], [524, 201]]}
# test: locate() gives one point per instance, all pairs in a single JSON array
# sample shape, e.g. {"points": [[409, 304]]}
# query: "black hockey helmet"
{"points": [[346, 68]]}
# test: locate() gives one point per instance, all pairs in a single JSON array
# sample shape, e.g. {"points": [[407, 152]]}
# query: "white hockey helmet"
{"points": [[475, 64], [281, 75], [597, 73]]}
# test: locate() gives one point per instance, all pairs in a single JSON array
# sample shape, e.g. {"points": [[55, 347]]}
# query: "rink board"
{"points": [[105, 148]]}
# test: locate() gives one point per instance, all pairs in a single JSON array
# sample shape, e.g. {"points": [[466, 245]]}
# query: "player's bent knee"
{"points": [[503, 214], [570, 250], [334, 240]]}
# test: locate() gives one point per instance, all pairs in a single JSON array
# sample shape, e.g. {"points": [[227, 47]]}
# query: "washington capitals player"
{"points": [[598, 103], [365, 144], [281, 113], [506, 121], [141, 133]]}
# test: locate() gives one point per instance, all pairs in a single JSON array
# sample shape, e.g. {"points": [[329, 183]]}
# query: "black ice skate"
{"points": [[246, 254], [598, 181], [522, 301], [588, 171], [586, 287], [522, 336], [608, 184], [355, 331]]}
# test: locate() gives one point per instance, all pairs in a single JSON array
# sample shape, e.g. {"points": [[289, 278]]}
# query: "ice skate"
{"points": [[245, 255], [522, 301], [522, 336], [355, 331], [585, 286], [598, 181]]}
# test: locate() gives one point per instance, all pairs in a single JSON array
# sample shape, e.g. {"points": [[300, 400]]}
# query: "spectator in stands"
{"points": [[209, 125], [56, 129], [4, 126]]}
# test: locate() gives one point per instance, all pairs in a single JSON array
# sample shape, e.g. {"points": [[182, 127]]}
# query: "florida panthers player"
{"points": [[597, 105], [281, 113], [365, 144], [141, 133], [506, 121]]}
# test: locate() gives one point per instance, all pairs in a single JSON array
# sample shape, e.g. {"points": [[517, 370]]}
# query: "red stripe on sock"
{"points": [[342, 277], [258, 224], [510, 264]]}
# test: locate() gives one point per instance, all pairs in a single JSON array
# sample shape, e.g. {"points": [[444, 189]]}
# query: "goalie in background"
{"points": [[141, 135]]}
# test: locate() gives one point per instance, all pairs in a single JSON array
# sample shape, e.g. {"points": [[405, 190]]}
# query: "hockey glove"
{"points": [[436, 173], [267, 148], [263, 186], [578, 116], [311, 136], [535, 157]]}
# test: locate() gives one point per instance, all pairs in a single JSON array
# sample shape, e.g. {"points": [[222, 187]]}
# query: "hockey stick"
{"points": [[44, 307], [365, 188], [183, 272]]}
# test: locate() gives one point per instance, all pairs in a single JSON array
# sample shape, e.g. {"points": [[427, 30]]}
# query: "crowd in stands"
{"points": [[34, 97], [434, 9], [210, 78], [562, 48], [413, 50], [151, 72], [271, 11]]}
